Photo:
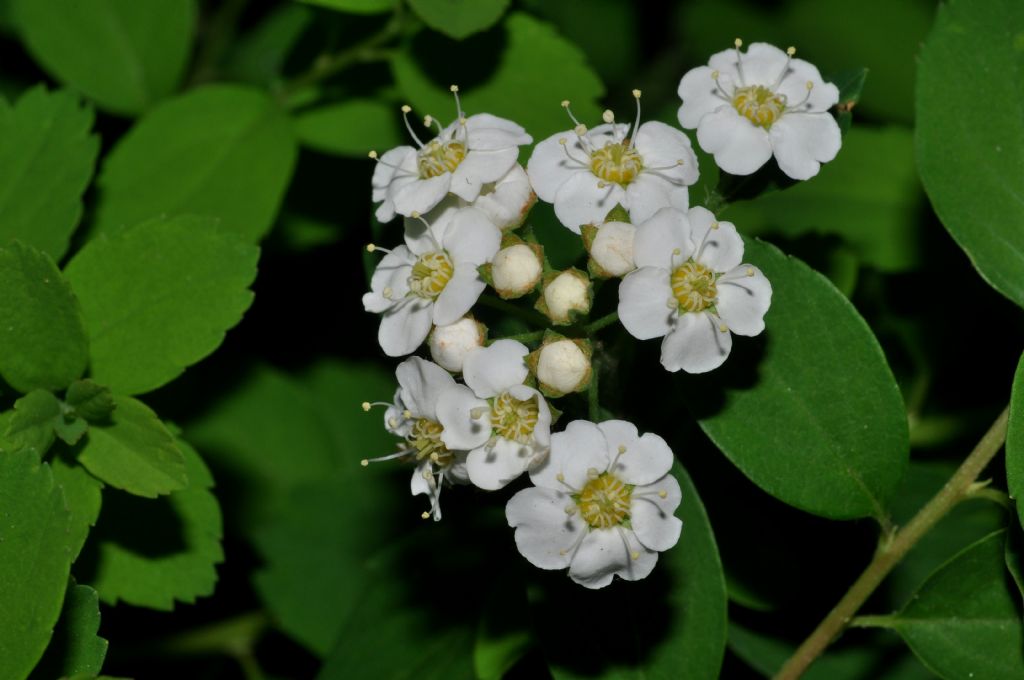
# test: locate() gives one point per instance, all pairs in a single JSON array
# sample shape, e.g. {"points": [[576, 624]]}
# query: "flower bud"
{"points": [[451, 344], [562, 367], [611, 249], [507, 201], [565, 294], [515, 270]]}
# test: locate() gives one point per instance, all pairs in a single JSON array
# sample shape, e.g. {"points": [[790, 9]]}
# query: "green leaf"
{"points": [[355, 6], [82, 498], [35, 560], [973, 51], [76, 648], [135, 452], [123, 54], [683, 620], [825, 435], [259, 56], [159, 297], [1013, 554], [349, 128], [225, 151], [151, 553], [90, 400], [459, 18], [964, 621], [42, 339], [47, 155], [1015, 441], [869, 196], [33, 421], [535, 70], [504, 633], [850, 84]]}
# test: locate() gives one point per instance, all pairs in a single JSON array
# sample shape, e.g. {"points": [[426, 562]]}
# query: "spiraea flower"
{"points": [[692, 288], [463, 157], [432, 279], [748, 107], [504, 424], [611, 248], [602, 504], [562, 365], [566, 295], [414, 418], [586, 173]]}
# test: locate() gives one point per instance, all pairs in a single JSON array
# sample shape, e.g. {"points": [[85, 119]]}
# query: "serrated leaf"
{"points": [[535, 70], [1015, 441], [349, 128], [33, 421], [123, 54], [973, 50], [355, 6], [76, 647], [42, 338], [151, 553], [47, 155], [825, 435], [35, 560], [90, 400], [135, 452], [159, 297], [459, 18], [225, 151], [82, 498]]}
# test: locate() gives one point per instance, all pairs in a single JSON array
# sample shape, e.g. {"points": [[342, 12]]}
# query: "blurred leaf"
{"points": [[76, 647], [259, 55], [301, 233], [869, 196], [159, 296], [47, 156], [504, 634], [1015, 441], [524, 70], [850, 84], [224, 151], [829, 437], [90, 400], [151, 553], [355, 6], [135, 452], [971, 157], [124, 54], [459, 18], [34, 560], [33, 421], [42, 339], [1013, 554], [349, 128], [82, 499]]}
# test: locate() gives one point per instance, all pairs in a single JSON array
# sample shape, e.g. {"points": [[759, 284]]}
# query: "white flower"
{"points": [[611, 248], [451, 344], [567, 292], [747, 107], [603, 504], [508, 200], [461, 159], [692, 289], [586, 173], [432, 279], [414, 417], [562, 367], [504, 424], [516, 270]]}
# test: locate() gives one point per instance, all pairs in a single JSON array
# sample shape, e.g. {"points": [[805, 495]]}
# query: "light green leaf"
{"points": [[459, 18], [32, 424], [82, 498], [159, 297], [35, 560], [828, 436], [869, 196], [76, 647], [259, 55], [124, 54], [47, 156], [134, 452], [350, 128], [535, 70], [973, 51], [224, 151], [151, 553], [90, 400], [1015, 441], [355, 6], [42, 339]]}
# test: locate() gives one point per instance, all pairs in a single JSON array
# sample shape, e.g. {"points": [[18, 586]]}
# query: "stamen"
{"points": [[636, 122], [430, 232], [367, 405], [608, 116], [393, 422], [478, 412], [387, 292], [750, 271], [719, 91], [373, 154], [564, 142], [662, 493], [565, 105], [425, 515], [429, 120], [790, 51], [737, 43], [380, 459], [458, 104], [723, 328], [407, 413], [810, 86], [372, 248], [408, 126]]}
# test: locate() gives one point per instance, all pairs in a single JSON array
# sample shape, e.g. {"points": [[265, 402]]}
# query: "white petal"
{"points": [[744, 296], [719, 248], [542, 428], [659, 237], [455, 413], [763, 64], [492, 468], [662, 147], [725, 63], [395, 421], [697, 344], [404, 327], [739, 146], [392, 273], [601, 554], [420, 484], [422, 383], [651, 515], [578, 449], [803, 141], [495, 368], [649, 193], [822, 95], [644, 460], [506, 203], [643, 303], [545, 534], [471, 238], [422, 195], [700, 96], [459, 295], [641, 559], [580, 200], [549, 167], [390, 165], [488, 133], [479, 168]]}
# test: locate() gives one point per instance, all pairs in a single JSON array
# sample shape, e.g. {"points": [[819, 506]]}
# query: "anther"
{"points": [[565, 103], [393, 422], [714, 225], [370, 247], [622, 448], [608, 116], [454, 88], [366, 406], [635, 555], [592, 473], [714, 75], [663, 494], [560, 477], [372, 154], [570, 509], [750, 271], [365, 462], [425, 515], [563, 552], [435, 457], [722, 327], [636, 93], [428, 120], [407, 413], [478, 412], [414, 214], [810, 85], [790, 51], [387, 293], [580, 129], [406, 108], [676, 251], [738, 43]]}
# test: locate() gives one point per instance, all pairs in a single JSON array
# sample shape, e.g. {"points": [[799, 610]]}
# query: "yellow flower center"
{"points": [[437, 158], [616, 162], [430, 275], [604, 501], [693, 286], [426, 439], [514, 419], [759, 105]]}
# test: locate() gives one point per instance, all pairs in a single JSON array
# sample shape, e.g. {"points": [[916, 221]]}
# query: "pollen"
{"points": [[616, 162], [425, 438], [759, 105], [604, 501], [437, 158], [430, 275], [693, 286], [514, 419]]}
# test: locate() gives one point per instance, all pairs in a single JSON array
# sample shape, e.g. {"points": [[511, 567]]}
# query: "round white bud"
{"points": [[567, 292], [515, 270], [612, 248], [562, 366], [451, 344]]}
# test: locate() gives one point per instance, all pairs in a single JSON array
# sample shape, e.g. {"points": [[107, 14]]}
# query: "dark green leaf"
{"points": [[76, 648], [90, 400], [225, 151], [850, 84], [1015, 441], [42, 339], [1014, 556], [32, 424], [459, 18], [259, 56], [504, 634], [82, 499], [355, 6], [349, 128]]}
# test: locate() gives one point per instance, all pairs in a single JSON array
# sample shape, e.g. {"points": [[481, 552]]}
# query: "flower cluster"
{"points": [[603, 496]]}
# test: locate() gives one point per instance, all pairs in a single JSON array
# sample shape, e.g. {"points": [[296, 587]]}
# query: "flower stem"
{"points": [[593, 393], [892, 550], [597, 325], [529, 316], [525, 338]]}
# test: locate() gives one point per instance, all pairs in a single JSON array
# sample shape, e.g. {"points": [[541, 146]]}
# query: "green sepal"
{"points": [[850, 84], [573, 314], [507, 241], [533, 360], [484, 271], [618, 214]]}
